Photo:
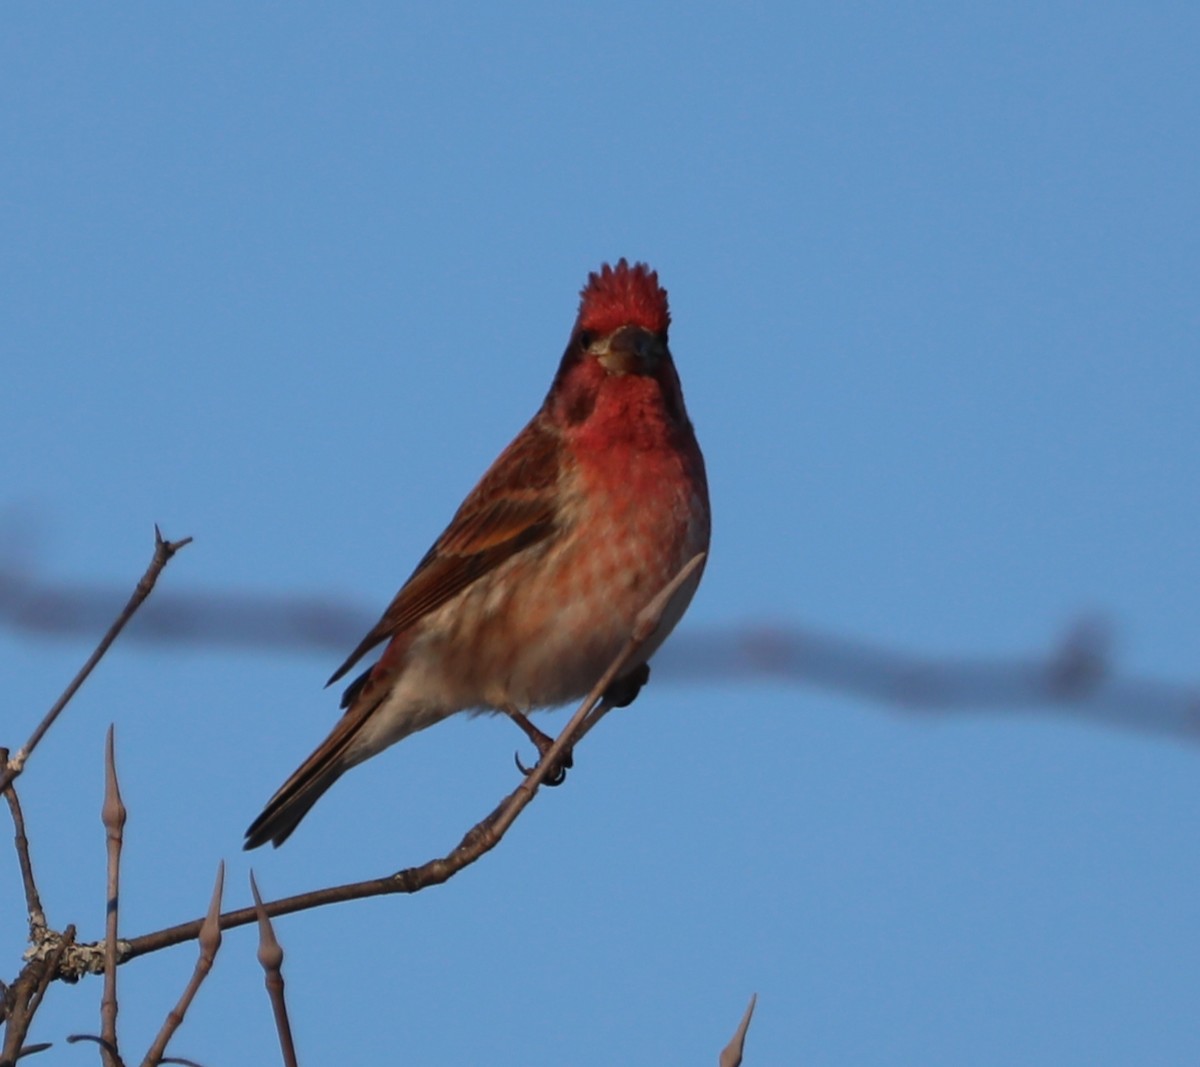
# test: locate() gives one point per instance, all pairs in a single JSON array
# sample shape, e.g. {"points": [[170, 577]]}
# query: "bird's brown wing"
{"points": [[513, 506]]}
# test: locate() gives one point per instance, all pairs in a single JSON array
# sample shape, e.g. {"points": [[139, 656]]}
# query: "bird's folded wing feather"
{"points": [[513, 506]]}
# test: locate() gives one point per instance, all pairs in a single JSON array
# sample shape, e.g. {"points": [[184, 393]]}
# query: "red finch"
{"points": [[530, 593]]}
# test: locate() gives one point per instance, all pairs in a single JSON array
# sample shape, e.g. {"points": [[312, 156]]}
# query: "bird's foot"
{"points": [[542, 742], [624, 691]]}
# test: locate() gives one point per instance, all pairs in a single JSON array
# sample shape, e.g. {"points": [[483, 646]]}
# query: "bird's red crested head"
{"points": [[617, 381], [623, 296]]}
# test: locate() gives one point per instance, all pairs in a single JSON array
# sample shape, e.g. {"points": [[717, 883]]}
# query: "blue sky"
{"points": [[286, 278]]}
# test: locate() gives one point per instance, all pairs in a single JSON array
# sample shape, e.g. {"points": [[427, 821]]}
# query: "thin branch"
{"points": [[107, 1049], [50, 971], [210, 942], [25, 996], [731, 1054], [113, 816], [163, 551], [480, 839], [33, 900], [270, 957]]}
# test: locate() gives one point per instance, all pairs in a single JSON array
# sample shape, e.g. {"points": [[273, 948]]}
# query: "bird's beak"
{"points": [[632, 350]]}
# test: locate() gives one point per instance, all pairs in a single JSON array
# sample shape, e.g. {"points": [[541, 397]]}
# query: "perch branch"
{"points": [[480, 839]]}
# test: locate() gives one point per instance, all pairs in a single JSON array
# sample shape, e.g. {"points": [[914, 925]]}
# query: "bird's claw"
{"points": [[557, 775]]}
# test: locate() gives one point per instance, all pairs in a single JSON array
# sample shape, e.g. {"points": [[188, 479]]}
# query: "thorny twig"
{"points": [[270, 958], [48, 956], [210, 942], [731, 1054], [113, 816]]}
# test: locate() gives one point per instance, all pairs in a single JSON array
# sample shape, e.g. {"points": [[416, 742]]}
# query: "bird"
{"points": [[530, 593]]}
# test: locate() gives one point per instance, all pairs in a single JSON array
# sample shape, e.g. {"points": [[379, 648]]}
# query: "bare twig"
{"points": [[210, 942], [25, 995], [107, 1049], [270, 957], [731, 1054], [50, 970], [33, 900], [480, 839], [163, 551], [113, 815]]}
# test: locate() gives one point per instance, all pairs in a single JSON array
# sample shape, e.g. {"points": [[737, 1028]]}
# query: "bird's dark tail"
{"points": [[304, 788], [287, 807]]}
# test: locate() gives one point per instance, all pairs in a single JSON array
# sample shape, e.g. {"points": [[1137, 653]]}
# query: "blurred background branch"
{"points": [[1075, 676]]}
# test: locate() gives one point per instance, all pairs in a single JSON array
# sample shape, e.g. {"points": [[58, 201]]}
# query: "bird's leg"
{"points": [[542, 743]]}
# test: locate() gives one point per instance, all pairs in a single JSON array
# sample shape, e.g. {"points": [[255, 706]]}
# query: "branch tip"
{"points": [[270, 952], [209, 940], [210, 930], [113, 814], [731, 1054], [270, 957]]}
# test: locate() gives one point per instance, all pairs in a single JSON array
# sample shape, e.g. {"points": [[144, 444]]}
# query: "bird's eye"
{"points": [[585, 339]]}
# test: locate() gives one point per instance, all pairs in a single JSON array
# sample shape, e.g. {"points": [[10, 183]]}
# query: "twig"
{"points": [[107, 1049], [270, 957], [210, 942], [480, 839], [25, 997], [731, 1054], [50, 970], [163, 551], [113, 816], [33, 900]]}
